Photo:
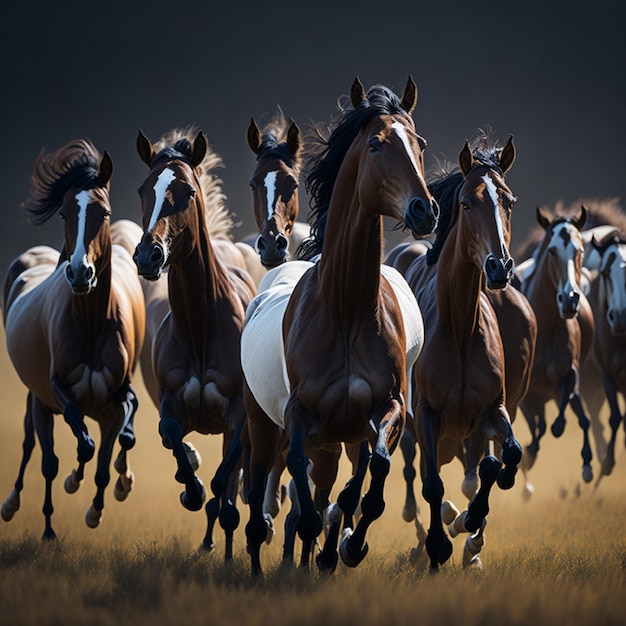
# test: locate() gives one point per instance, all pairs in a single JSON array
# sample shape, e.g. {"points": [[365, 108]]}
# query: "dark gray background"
{"points": [[550, 73]]}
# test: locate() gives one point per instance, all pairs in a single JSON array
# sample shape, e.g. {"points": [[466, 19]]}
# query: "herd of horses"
{"points": [[308, 341]]}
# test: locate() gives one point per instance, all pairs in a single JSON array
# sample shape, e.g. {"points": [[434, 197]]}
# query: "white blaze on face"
{"points": [[401, 132], [160, 189], [493, 194], [566, 253], [270, 187], [616, 275], [80, 250]]}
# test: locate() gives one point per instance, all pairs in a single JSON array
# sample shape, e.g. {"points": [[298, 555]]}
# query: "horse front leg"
{"points": [[109, 432], [309, 524], [12, 504], [566, 388], [353, 548], [615, 419], [584, 424], [192, 498], [408, 447], [126, 438]]}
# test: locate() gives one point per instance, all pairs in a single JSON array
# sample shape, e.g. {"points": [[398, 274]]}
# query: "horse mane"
{"points": [[600, 212], [325, 152], [76, 164], [273, 141], [176, 144], [445, 181]]}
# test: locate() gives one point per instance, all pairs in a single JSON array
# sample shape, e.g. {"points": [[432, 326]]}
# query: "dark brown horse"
{"points": [[463, 340], [196, 346], [75, 325], [551, 282], [274, 184], [343, 330]]}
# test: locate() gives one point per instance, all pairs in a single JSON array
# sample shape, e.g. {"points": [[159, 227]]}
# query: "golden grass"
{"points": [[558, 559]]}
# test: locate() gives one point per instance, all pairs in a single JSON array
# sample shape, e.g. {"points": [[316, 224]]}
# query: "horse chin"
{"points": [[273, 262], [497, 285], [152, 276], [568, 314], [83, 290]]}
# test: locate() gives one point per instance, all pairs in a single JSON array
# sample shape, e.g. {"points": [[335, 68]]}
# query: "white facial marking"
{"points": [[493, 194], [160, 189], [566, 254], [270, 186], [616, 277], [401, 132], [80, 251]]}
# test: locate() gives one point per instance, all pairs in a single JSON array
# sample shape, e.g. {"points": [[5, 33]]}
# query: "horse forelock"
{"points": [[74, 165], [326, 151]]}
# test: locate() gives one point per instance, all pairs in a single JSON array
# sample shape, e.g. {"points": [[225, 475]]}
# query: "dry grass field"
{"points": [[558, 559]]}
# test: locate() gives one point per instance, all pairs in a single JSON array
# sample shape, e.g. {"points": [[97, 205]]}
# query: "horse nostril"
{"points": [[281, 242], [157, 254], [416, 206], [260, 243], [611, 315], [559, 298], [69, 272], [89, 273]]}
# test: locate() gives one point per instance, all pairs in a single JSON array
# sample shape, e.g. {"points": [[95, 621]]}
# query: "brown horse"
{"points": [[551, 282], [274, 184], [195, 348], [344, 337], [75, 325], [463, 340]]}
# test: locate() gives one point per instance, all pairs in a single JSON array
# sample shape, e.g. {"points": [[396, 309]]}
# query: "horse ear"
{"points": [[579, 221], [409, 96], [507, 156], [254, 136], [294, 140], [106, 168], [466, 160], [198, 150], [543, 221], [357, 92], [144, 148]]}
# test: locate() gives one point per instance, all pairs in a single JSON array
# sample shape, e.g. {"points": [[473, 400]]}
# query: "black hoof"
{"points": [[194, 502], [327, 562], [506, 477], [49, 535], [350, 556]]}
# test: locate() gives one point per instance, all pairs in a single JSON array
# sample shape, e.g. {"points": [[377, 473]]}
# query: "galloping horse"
{"points": [[463, 341], [608, 300], [550, 279], [343, 328], [274, 185], [75, 325], [196, 346]]}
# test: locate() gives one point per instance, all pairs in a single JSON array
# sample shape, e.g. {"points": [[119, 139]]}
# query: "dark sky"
{"points": [[553, 74]]}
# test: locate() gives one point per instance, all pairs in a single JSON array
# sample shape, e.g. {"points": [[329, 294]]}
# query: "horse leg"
{"points": [[474, 446], [103, 474], [615, 419], [126, 437], [44, 424], [346, 505], [408, 447], [310, 522], [534, 412], [229, 515], [584, 424], [12, 504], [265, 437], [501, 432], [171, 433], [353, 547], [566, 387]]}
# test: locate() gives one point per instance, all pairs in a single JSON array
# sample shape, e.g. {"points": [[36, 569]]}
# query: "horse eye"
{"points": [[374, 144], [422, 142], [465, 207]]}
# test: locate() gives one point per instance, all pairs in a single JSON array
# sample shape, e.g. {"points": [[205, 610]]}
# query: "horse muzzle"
{"points": [[567, 302], [421, 217], [498, 272], [617, 322], [82, 278], [149, 260], [272, 249]]}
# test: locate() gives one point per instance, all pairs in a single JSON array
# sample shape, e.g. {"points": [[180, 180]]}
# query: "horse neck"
{"points": [[459, 287], [540, 291], [197, 283], [351, 257]]}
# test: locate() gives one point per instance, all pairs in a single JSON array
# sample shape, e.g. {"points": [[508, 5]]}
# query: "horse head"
{"points": [[486, 203], [168, 194], [274, 185], [565, 256], [612, 274]]}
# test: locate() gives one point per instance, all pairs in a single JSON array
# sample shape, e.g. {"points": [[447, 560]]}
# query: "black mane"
{"points": [[327, 154]]}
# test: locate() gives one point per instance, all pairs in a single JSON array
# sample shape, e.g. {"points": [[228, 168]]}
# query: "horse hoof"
{"points": [[327, 562], [93, 517], [205, 547], [448, 512], [271, 531], [11, 506], [72, 483], [607, 467], [506, 477], [587, 473], [474, 564], [350, 557], [529, 490], [409, 512], [123, 486], [194, 503]]}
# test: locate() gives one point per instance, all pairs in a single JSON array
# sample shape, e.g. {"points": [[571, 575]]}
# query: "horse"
{"points": [[608, 300], [342, 336], [196, 343], [74, 325], [274, 184], [550, 279], [463, 340]]}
